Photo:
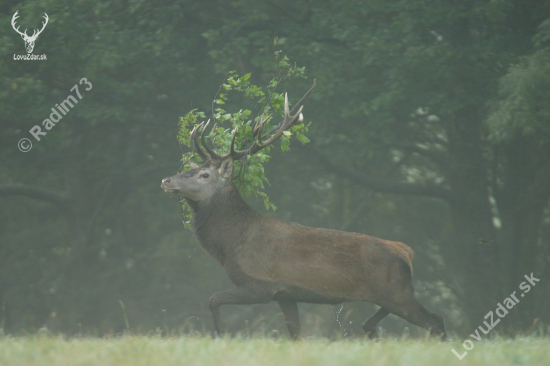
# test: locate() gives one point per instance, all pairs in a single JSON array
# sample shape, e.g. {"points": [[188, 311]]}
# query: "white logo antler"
{"points": [[29, 41]]}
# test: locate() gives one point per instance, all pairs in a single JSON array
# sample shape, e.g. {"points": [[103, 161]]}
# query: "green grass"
{"points": [[189, 351]]}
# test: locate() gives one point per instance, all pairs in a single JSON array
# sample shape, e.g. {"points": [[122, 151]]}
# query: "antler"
{"points": [[212, 153], [194, 140], [276, 133], [15, 16], [24, 34], [288, 121], [36, 33]]}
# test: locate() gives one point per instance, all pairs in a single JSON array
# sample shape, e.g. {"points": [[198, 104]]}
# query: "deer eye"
{"points": [[205, 175]]}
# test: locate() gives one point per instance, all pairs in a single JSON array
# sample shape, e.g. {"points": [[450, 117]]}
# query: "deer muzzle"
{"points": [[167, 186]]}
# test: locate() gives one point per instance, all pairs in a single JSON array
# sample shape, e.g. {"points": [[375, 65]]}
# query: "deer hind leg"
{"points": [[234, 296], [290, 311], [369, 326], [407, 307]]}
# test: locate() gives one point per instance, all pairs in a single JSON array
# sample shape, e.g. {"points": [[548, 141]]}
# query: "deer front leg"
{"points": [[234, 296], [290, 311]]}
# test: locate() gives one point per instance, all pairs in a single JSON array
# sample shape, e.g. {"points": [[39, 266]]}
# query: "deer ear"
{"points": [[226, 168], [193, 164]]}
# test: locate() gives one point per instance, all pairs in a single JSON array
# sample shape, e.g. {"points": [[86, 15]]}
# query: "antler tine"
{"points": [[260, 131], [43, 25], [259, 127], [278, 131], [194, 140], [191, 138], [13, 19], [205, 145], [287, 110], [232, 151], [236, 155], [287, 122]]}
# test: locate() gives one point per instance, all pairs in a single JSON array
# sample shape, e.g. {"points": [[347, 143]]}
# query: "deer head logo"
{"points": [[29, 40]]}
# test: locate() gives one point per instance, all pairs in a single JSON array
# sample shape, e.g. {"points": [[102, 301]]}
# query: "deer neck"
{"points": [[220, 223]]}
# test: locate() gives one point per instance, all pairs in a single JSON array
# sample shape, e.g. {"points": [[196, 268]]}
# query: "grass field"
{"points": [[189, 351]]}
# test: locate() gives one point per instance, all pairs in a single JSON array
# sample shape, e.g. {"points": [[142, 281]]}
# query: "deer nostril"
{"points": [[165, 182]]}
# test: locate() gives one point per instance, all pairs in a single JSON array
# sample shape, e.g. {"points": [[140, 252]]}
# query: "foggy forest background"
{"points": [[430, 126]]}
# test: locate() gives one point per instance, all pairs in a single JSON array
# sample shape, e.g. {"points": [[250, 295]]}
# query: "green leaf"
{"points": [[302, 138]]}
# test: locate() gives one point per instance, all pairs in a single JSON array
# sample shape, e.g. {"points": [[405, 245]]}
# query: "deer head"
{"points": [[29, 40], [201, 182]]}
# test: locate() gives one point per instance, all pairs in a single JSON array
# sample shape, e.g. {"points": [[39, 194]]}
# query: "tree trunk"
{"points": [[474, 253]]}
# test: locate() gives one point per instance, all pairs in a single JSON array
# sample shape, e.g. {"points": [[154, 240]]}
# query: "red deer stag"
{"points": [[275, 260]]}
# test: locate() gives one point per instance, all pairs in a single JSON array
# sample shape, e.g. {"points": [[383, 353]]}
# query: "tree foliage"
{"points": [[249, 172], [431, 128], [523, 109]]}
